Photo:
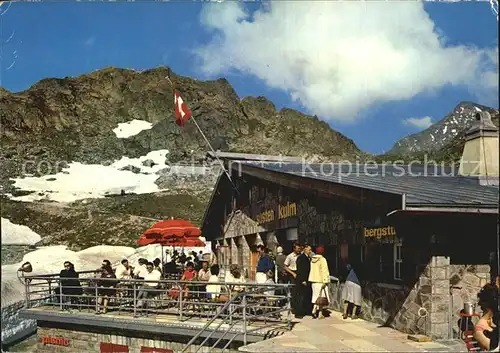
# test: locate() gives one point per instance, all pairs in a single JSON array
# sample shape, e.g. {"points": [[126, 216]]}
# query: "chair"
{"points": [[467, 331]]}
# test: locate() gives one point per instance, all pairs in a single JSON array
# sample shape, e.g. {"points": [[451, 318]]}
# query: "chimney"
{"points": [[480, 155]]}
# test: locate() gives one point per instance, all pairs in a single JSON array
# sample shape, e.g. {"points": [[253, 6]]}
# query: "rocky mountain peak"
{"points": [[442, 132]]}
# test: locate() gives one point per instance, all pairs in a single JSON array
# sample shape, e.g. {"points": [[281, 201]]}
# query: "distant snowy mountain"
{"points": [[443, 132]]}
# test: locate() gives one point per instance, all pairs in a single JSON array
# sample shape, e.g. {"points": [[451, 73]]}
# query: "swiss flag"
{"points": [[181, 110]]}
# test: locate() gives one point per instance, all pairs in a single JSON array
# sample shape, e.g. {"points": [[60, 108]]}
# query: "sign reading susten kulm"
{"points": [[284, 211]]}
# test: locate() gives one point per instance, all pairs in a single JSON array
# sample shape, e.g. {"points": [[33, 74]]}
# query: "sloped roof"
{"points": [[253, 157], [422, 185]]}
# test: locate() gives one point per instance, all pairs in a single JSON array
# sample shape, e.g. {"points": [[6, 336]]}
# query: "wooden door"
{"points": [[254, 258]]}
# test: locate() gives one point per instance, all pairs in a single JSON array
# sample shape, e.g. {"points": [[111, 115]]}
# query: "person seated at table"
{"points": [[235, 276], [270, 280], [189, 274], [124, 270], [203, 276], [106, 286], [141, 271], [485, 327], [151, 281], [157, 265], [204, 272], [213, 290]]}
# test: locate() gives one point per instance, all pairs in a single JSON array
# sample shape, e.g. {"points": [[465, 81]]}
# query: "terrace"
{"points": [[242, 313]]}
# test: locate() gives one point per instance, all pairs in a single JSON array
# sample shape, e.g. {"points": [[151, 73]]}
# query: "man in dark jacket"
{"points": [[302, 286], [69, 284]]}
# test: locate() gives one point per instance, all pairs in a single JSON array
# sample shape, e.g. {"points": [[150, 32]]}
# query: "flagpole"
{"points": [[213, 151], [206, 140]]}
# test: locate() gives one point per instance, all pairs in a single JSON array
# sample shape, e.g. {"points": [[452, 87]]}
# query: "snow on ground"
{"points": [[46, 260], [15, 234], [131, 128], [81, 181], [183, 170], [50, 259]]}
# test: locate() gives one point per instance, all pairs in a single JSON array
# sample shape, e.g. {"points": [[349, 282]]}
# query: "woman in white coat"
{"points": [[319, 276]]}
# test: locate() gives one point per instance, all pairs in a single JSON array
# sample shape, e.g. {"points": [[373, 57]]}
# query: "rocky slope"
{"points": [[72, 119], [60, 121], [442, 133]]}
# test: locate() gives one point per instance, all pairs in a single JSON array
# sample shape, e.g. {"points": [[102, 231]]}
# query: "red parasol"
{"points": [[184, 242], [144, 241], [169, 231]]}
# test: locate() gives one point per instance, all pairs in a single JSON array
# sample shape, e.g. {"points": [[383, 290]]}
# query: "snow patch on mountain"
{"points": [[80, 181], [131, 128], [15, 234]]}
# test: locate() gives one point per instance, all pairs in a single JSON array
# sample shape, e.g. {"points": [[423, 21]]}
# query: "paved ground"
{"points": [[334, 334]]}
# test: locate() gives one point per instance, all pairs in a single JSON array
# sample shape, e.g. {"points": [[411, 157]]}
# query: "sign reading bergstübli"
{"points": [[284, 211], [379, 232]]}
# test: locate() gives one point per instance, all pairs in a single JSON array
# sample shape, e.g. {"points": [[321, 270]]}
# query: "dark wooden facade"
{"points": [[406, 261], [351, 223]]}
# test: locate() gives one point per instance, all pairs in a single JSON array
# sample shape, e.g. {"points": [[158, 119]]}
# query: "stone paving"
{"points": [[334, 334]]}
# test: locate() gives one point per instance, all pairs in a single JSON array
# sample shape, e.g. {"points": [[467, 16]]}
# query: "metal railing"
{"points": [[232, 308]]}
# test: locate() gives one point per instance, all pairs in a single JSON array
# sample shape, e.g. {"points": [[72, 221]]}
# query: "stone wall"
{"points": [[470, 278], [425, 307], [439, 315], [390, 305], [80, 341]]}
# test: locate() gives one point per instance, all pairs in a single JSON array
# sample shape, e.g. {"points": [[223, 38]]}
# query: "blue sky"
{"points": [[50, 39]]}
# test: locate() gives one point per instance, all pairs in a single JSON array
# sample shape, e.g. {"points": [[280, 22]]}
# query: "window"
{"points": [[398, 260], [262, 193], [243, 198], [386, 265], [344, 253]]}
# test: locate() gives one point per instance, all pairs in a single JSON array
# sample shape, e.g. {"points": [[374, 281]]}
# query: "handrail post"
{"points": [[181, 292], [230, 308], [96, 297], [26, 293], [244, 319], [49, 282], [288, 306], [60, 294], [135, 299]]}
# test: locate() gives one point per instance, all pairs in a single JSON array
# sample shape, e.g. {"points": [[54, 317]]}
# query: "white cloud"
{"points": [[420, 123], [339, 58]]}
